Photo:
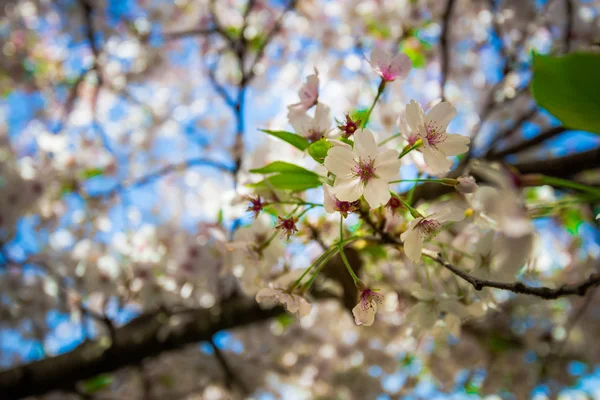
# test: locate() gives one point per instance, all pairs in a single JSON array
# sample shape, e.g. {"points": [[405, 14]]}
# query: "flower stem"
{"points": [[355, 278], [389, 139], [565, 183], [370, 110], [413, 211], [407, 149], [420, 180]]}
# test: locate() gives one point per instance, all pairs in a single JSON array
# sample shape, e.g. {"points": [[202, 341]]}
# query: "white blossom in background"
{"points": [[438, 145], [308, 93], [363, 170]]}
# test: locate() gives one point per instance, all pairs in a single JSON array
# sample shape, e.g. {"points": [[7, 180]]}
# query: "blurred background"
{"points": [[127, 129]]}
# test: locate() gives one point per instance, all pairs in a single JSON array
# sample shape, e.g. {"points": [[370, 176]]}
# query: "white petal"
{"points": [[441, 114], [387, 164], [322, 117], [377, 192], [435, 160], [454, 145], [365, 145], [379, 59], [451, 213], [400, 65], [304, 307], [413, 244], [415, 116], [340, 161], [348, 189], [328, 199], [267, 294], [363, 315]]}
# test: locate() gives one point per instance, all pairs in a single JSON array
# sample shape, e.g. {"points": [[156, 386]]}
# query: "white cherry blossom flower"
{"points": [[294, 303], [388, 67], [364, 312], [363, 170], [438, 145], [431, 306], [423, 228], [312, 128]]}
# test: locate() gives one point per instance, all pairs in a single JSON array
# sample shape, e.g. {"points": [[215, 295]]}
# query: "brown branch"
{"points": [[527, 144], [506, 135], [445, 56], [578, 289], [145, 336], [231, 377], [568, 35], [189, 33], [561, 167]]}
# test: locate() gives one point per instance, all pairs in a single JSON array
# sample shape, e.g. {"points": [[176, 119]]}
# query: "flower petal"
{"points": [[377, 192], [348, 189], [454, 145], [328, 199], [340, 161], [322, 120], [441, 114], [415, 116], [400, 66], [363, 315], [387, 164], [435, 160], [379, 59], [365, 145], [413, 244]]}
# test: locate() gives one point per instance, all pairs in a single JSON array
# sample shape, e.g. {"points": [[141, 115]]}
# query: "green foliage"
{"points": [[96, 383], [572, 219], [318, 150], [90, 173], [278, 167], [568, 87], [295, 140]]}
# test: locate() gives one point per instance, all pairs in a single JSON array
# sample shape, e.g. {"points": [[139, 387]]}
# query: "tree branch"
{"points": [[527, 144], [546, 293], [445, 56], [145, 336]]}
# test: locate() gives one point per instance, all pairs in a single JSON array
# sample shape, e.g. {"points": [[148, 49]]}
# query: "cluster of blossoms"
{"points": [[356, 174]]}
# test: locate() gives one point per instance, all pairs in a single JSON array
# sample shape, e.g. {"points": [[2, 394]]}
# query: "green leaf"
{"points": [[347, 141], [295, 140], [568, 88], [90, 173], [318, 150], [96, 383], [281, 167], [359, 114], [295, 182]]}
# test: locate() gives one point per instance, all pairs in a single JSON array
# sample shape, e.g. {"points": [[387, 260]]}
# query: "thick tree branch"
{"points": [[546, 293], [145, 336], [445, 51]]}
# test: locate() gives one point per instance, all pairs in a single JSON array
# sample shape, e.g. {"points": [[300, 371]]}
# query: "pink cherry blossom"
{"points": [[390, 68]]}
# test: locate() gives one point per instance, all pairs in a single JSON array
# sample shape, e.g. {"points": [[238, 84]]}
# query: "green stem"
{"points": [[324, 262], [413, 211], [299, 203], [408, 149], [355, 278], [370, 110], [389, 139], [420, 180], [565, 183]]}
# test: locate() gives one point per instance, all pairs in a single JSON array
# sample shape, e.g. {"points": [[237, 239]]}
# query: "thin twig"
{"points": [[445, 56]]}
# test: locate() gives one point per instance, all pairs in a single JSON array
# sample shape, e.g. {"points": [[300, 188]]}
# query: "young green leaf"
{"points": [[281, 167], [318, 150], [294, 182], [295, 140]]}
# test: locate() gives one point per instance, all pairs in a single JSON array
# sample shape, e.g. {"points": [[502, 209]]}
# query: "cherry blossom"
{"points": [[424, 228], [364, 312], [312, 128], [294, 303], [438, 145], [388, 67], [363, 170], [287, 226], [349, 126], [332, 204]]}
